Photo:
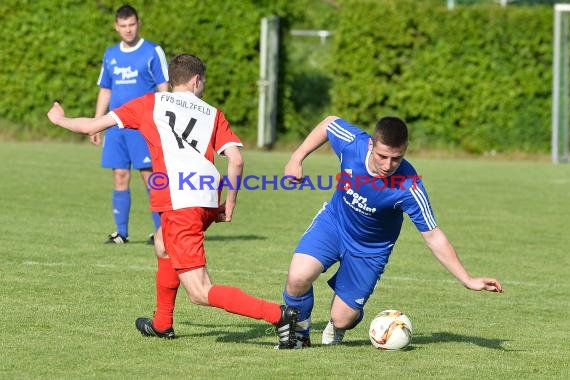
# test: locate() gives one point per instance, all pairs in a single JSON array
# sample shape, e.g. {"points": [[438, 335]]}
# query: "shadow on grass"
{"points": [[252, 332], [445, 337], [249, 333]]}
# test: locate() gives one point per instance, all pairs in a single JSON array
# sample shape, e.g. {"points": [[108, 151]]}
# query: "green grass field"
{"points": [[68, 303]]}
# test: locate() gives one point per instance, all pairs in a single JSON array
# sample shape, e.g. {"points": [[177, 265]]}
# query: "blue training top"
{"points": [[133, 72], [369, 208]]}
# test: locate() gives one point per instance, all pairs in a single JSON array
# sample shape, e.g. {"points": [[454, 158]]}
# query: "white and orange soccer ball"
{"points": [[390, 330]]}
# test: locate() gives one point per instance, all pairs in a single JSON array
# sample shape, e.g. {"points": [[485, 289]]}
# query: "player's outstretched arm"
{"points": [[84, 125], [235, 171], [312, 142], [442, 249]]}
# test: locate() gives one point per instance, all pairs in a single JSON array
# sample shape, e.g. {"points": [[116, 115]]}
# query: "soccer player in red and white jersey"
{"points": [[183, 132]]}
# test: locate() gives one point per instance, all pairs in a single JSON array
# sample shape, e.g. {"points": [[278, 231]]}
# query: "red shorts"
{"points": [[183, 235]]}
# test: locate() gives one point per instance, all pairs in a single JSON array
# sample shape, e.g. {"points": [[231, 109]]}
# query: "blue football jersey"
{"points": [[368, 208], [130, 73]]}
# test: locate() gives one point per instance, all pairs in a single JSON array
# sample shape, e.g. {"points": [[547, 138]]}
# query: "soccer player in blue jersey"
{"points": [[131, 68], [359, 226]]}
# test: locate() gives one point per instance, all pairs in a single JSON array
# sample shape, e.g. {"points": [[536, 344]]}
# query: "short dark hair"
{"points": [[183, 67], [126, 11], [391, 131]]}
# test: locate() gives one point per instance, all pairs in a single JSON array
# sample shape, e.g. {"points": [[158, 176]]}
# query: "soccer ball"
{"points": [[390, 330]]}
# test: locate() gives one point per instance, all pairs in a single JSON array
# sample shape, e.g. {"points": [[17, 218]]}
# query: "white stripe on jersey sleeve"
{"points": [[119, 122], [227, 145], [340, 132], [421, 199], [100, 75], [163, 62]]}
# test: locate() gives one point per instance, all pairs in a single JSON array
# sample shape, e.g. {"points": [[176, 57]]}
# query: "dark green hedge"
{"points": [[52, 50], [476, 78]]}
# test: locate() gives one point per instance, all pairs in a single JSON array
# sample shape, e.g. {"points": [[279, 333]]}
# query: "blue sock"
{"points": [[121, 209], [155, 216], [304, 303]]}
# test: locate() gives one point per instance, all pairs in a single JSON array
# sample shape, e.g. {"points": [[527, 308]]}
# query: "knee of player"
{"points": [[198, 294], [197, 297], [121, 177], [346, 320], [297, 284]]}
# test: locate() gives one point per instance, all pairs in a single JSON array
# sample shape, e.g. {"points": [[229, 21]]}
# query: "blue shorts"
{"points": [[357, 274], [123, 148]]}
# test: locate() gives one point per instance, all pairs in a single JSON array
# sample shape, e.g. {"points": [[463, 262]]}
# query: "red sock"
{"points": [[234, 300], [167, 283]]}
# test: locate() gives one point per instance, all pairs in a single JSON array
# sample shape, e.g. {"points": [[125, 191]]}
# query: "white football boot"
{"points": [[332, 335]]}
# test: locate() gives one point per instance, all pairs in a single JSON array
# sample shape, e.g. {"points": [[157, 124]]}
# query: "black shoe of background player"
{"points": [[115, 238]]}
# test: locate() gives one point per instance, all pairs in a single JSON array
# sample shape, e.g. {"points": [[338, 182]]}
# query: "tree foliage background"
{"points": [[476, 78]]}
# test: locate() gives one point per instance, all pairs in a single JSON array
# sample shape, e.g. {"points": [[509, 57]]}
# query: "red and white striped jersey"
{"points": [[182, 132]]}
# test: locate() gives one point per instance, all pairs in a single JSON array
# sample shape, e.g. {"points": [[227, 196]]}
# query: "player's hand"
{"points": [[225, 212], [55, 113], [95, 139], [483, 283], [294, 171]]}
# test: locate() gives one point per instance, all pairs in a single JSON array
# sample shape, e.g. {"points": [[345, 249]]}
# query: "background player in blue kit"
{"points": [[131, 68], [360, 225]]}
